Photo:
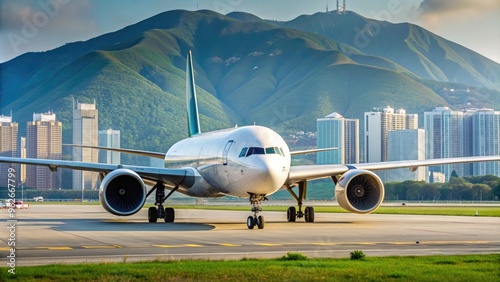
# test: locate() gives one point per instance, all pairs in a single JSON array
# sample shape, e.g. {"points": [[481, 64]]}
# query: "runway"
{"points": [[47, 234]]}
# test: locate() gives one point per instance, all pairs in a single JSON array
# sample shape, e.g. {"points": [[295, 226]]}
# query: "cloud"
{"points": [[53, 15], [437, 11], [36, 25]]}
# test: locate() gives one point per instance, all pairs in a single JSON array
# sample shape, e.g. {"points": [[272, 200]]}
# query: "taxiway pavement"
{"points": [[48, 234]]}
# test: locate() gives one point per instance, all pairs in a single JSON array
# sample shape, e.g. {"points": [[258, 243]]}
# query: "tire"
{"points": [[152, 215], [291, 214], [169, 215], [309, 215], [250, 222], [260, 222]]}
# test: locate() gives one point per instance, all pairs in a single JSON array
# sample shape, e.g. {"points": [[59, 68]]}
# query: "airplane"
{"points": [[250, 162]]}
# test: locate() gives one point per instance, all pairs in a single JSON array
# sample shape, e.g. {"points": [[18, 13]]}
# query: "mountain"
{"points": [[422, 52], [247, 71]]}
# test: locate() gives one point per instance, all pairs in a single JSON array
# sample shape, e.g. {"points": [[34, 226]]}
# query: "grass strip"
{"points": [[425, 268], [409, 210]]}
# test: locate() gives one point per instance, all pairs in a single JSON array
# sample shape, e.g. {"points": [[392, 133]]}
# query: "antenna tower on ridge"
{"points": [[341, 8]]}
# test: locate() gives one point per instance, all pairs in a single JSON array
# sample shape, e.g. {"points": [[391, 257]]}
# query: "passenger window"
{"points": [[243, 152]]}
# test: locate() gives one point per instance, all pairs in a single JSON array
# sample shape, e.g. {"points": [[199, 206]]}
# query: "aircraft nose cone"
{"points": [[269, 176]]}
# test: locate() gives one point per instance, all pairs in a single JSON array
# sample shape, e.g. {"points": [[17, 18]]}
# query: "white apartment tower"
{"points": [[378, 124], [85, 132]]}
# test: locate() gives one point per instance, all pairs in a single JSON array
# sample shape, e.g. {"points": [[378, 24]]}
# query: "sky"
{"points": [[40, 25]]}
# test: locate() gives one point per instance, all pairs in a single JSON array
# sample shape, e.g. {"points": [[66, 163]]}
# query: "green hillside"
{"points": [[414, 48], [246, 71]]}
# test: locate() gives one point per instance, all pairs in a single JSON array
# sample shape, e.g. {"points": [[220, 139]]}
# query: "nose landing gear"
{"points": [[252, 221], [168, 214]]}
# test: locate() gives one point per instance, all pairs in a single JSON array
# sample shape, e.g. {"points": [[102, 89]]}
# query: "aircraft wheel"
{"points": [[309, 214], [260, 222], [291, 214], [152, 215], [169, 215], [250, 222]]}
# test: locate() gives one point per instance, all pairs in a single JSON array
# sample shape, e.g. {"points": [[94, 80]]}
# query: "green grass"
{"points": [[431, 268], [420, 210]]}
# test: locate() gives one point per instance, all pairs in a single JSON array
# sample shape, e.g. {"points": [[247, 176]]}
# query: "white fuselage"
{"points": [[235, 162]]}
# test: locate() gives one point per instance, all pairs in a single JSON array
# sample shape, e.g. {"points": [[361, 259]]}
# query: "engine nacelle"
{"points": [[359, 191], [122, 192]]}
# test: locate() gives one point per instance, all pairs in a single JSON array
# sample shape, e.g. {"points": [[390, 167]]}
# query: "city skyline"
{"points": [[481, 125]]}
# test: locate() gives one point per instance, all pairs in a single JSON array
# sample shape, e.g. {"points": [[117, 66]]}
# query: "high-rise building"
{"points": [[404, 145], [8, 148], [378, 124], [336, 131], [411, 121], [486, 140], [445, 138], [22, 167], [109, 138], [85, 131], [43, 141]]}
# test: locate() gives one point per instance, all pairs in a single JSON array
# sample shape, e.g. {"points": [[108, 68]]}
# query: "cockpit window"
{"points": [[245, 152], [255, 151], [270, 151]]}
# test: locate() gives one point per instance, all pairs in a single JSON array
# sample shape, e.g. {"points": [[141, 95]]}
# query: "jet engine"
{"points": [[122, 192], [359, 191]]}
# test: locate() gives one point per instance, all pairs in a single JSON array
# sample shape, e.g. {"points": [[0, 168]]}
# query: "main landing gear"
{"points": [[158, 211], [252, 221], [292, 214]]}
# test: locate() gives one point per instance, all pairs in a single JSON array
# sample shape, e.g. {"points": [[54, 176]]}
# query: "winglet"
{"points": [[191, 102]]}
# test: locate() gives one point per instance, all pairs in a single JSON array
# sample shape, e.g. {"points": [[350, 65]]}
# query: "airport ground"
{"points": [[47, 234]]}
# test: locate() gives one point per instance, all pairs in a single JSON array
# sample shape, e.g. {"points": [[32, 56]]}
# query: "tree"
{"points": [[459, 188], [496, 192], [454, 174], [481, 191]]}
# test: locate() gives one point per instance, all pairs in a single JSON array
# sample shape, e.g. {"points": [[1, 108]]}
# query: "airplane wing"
{"points": [[128, 151], [166, 175], [312, 151], [310, 172]]}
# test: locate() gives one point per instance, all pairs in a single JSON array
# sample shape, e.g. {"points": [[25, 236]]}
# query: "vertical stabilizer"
{"points": [[192, 104]]}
